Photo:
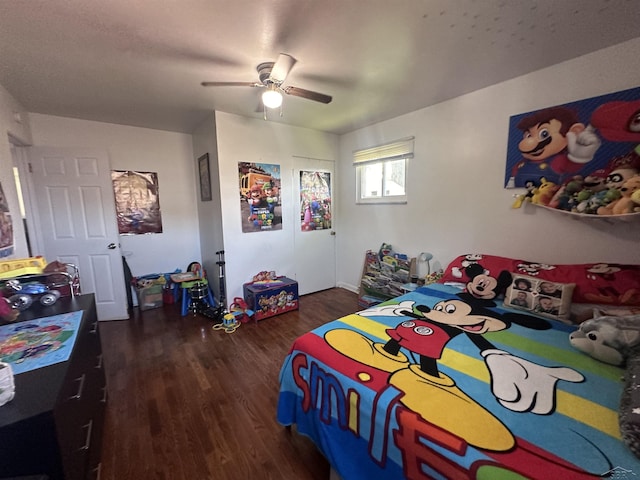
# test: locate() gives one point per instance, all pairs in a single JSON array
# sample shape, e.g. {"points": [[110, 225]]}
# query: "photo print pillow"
{"points": [[539, 296]]}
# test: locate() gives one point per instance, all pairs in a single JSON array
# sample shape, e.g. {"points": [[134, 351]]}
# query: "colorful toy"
{"points": [[532, 188], [241, 310], [635, 198], [623, 204], [565, 197], [544, 193], [26, 293], [601, 199], [229, 324]]}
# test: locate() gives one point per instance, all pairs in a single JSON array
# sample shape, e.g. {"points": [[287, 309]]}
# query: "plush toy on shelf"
{"points": [[635, 198], [566, 196], [624, 204], [544, 193]]}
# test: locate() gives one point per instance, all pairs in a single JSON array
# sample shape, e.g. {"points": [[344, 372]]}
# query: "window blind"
{"points": [[398, 149]]}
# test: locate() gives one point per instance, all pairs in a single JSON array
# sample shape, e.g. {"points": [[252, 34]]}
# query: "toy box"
{"points": [[149, 297], [271, 297]]}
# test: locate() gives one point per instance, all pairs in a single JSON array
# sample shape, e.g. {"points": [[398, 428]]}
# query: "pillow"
{"points": [[603, 283], [542, 297]]}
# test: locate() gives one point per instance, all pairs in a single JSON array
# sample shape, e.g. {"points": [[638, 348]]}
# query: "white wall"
{"points": [[209, 212], [10, 111], [242, 139], [457, 203], [132, 148]]}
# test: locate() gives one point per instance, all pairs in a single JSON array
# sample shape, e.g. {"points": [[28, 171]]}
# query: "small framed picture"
{"points": [[205, 178]]}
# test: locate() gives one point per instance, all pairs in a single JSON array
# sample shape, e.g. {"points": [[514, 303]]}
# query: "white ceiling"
{"points": [[140, 62]]}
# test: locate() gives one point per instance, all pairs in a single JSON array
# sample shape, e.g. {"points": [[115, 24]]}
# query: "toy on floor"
{"points": [[241, 310], [229, 323]]}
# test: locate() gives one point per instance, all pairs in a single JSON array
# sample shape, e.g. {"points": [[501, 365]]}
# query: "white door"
{"points": [[75, 221], [314, 237]]}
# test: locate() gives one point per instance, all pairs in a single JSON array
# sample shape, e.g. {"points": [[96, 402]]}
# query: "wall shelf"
{"points": [[612, 219]]}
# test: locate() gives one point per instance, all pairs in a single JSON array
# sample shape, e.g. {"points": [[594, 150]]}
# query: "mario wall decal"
{"points": [[574, 139]]}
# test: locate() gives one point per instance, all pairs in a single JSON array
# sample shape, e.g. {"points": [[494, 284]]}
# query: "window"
{"points": [[381, 172]]}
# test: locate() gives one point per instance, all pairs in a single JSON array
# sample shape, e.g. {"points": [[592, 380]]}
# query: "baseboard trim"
{"points": [[348, 286]]}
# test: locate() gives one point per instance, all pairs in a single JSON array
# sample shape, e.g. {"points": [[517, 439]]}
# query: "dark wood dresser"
{"points": [[54, 424]]}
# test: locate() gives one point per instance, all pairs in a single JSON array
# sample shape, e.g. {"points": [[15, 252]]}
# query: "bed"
{"points": [[508, 397]]}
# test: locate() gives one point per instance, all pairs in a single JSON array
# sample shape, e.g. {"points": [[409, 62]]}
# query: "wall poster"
{"points": [[137, 202], [591, 138], [315, 200], [6, 227], [260, 196]]}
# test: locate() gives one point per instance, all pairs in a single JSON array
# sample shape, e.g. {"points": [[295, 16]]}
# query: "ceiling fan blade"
{"points": [[308, 94], [281, 68], [231, 84]]}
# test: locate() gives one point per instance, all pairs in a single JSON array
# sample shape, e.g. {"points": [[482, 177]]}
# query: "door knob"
{"points": [[112, 246]]}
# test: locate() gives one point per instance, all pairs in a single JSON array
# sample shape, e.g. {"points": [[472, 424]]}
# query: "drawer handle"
{"points": [[99, 365], [104, 394], [80, 388], [98, 471], [94, 327], [87, 439]]}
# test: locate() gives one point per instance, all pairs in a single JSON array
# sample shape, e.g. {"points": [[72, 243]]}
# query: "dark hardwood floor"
{"points": [[190, 403]]}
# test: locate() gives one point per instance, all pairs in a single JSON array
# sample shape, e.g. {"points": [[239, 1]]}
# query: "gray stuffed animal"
{"points": [[616, 340], [608, 339]]}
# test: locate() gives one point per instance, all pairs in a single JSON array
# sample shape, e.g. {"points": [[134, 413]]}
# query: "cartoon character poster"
{"points": [[137, 202], [315, 200], [6, 227], [596, 138], [260, 196]]}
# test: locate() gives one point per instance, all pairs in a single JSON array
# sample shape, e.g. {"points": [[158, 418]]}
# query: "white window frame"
{"points": [[382, 155]]}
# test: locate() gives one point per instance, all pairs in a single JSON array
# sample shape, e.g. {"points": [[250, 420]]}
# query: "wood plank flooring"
{"points": [[190, 403]]}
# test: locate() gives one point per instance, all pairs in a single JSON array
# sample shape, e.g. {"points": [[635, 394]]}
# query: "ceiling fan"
{"points": [[272, 76]]}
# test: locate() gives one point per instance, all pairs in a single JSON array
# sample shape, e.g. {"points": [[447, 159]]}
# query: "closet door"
{"points": [[314, 236]]}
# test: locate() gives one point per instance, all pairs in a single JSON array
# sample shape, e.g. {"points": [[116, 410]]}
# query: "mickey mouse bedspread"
{"points": [[434, 384]]}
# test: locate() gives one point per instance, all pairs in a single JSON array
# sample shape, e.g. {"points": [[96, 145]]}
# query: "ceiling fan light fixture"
{"points": [[271, 97]]}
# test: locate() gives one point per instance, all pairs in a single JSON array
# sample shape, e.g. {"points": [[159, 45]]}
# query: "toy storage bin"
{"points": [[149, 297], [271, 298]]}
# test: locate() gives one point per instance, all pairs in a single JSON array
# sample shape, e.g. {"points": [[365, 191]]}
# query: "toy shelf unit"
{"points": [[384, 278], [610, 219]]}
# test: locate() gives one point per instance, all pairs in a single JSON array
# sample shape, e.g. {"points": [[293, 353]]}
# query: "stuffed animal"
{"points": [[545, 192], [625, 204], [532, 188], [566, 196], [635, 198], [609, 339], [601, 200]]}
